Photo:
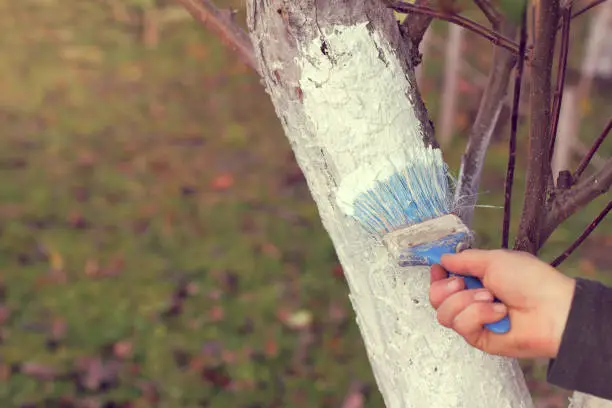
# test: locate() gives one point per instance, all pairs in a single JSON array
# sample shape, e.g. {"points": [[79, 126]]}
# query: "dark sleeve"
{"points": [[584, 361]]}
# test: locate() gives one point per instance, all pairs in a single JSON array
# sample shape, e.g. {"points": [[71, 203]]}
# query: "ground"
{"points": [[158, 243]]}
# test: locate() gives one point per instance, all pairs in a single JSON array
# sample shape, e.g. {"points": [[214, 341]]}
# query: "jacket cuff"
{"points": [[584, 360]]}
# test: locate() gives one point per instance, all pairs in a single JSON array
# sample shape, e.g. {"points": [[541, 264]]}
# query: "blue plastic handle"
{"points": [[431, 254]]}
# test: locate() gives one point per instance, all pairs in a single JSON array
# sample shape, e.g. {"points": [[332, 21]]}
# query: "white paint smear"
{"points": [[360, 109]]}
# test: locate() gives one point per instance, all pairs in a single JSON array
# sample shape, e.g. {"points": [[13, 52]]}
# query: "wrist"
{"points": [[562, 310]]}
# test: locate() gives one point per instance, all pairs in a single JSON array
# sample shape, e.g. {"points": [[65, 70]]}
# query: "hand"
{"points": [[536, 296]]}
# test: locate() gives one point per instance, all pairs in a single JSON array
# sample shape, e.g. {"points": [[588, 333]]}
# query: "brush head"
{"points": [[426, 242], [396, 194]]}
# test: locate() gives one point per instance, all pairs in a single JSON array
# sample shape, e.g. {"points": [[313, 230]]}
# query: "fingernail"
{"points": [[453, 284], [499, 307], [483, 296]]}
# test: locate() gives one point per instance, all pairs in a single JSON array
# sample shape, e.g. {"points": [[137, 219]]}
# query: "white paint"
{"points": [[358, 120], [580, 400], [361, 108]]}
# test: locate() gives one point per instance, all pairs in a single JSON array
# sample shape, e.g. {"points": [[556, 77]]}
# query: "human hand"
{"points": [[536, 296]]}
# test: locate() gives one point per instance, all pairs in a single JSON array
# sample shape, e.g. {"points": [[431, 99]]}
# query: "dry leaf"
{"points": [[223, 182]]}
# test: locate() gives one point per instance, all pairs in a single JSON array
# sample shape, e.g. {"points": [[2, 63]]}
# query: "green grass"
{"points": [[133, 177]]}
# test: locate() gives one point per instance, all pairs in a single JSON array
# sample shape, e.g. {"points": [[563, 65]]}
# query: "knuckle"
{"points": [[443, 320]]}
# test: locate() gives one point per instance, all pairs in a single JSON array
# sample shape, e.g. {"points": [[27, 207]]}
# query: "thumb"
{"points": [[473, 262]]}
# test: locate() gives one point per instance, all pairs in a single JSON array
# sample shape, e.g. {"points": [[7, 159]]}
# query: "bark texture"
{"points": [[417, 363]]}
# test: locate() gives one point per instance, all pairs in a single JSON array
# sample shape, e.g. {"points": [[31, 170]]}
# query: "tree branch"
{"points": [[513, 130], [415, 25], [587, 8], [493, 36], [590, 228], [538, 165], [493, 99], [205, 12], [561, 69], [567, 202], [492, 14], [587, 158]]}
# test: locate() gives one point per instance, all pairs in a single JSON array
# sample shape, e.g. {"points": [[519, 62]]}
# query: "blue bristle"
{"points": [[414, 194]]}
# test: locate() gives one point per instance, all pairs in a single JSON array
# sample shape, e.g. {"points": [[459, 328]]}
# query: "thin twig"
{"points": [[538, 164], [513, 130], [587, 8], [493, 36], [587, 158], [568, 202], [489, 10], [590, 228], [205, 12], [561, 69]]}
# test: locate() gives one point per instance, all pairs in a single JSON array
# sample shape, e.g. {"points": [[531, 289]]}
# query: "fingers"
{"points": [[456, 303], [472, 262], [470, 322], [438, 273], [441, 289]]}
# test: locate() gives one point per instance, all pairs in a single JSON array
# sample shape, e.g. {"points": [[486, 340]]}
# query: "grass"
{"points": [[158, 245]]}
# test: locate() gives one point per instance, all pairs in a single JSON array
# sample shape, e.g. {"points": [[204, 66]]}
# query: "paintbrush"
{"points": [[407, 204]]}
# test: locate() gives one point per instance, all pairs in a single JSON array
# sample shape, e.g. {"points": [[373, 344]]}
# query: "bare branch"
{"points": [[493, 99], [587, 8], [205, 12], [567, 202], [538, 165], [489, 10], [562, 66], [587, 158], [590, 228], [513, 130], [415, 25], [493, 36]]}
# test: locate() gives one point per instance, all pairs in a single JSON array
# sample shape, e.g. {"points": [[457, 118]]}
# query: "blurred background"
{"points": [[158, 244]]}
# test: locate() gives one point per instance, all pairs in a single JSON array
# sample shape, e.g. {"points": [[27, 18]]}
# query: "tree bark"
{"points": [[340, 78], [538, 164]]}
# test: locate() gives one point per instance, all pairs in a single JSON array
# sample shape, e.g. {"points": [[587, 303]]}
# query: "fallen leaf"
{"points": [[55, 260], [5, 314], [123, 349], [217, 376], [217, 313], [271, 348], [92, 268], [271, 250], [338, 272], [223, 182], [299, 320]]}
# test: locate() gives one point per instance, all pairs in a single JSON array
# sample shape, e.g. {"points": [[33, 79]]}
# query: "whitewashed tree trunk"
{"points": [[452, 69], [339, 78], [580, 400]]}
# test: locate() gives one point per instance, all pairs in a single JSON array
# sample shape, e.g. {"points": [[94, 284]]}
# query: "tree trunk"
{"points": [[340, 79], [580, 400]]}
